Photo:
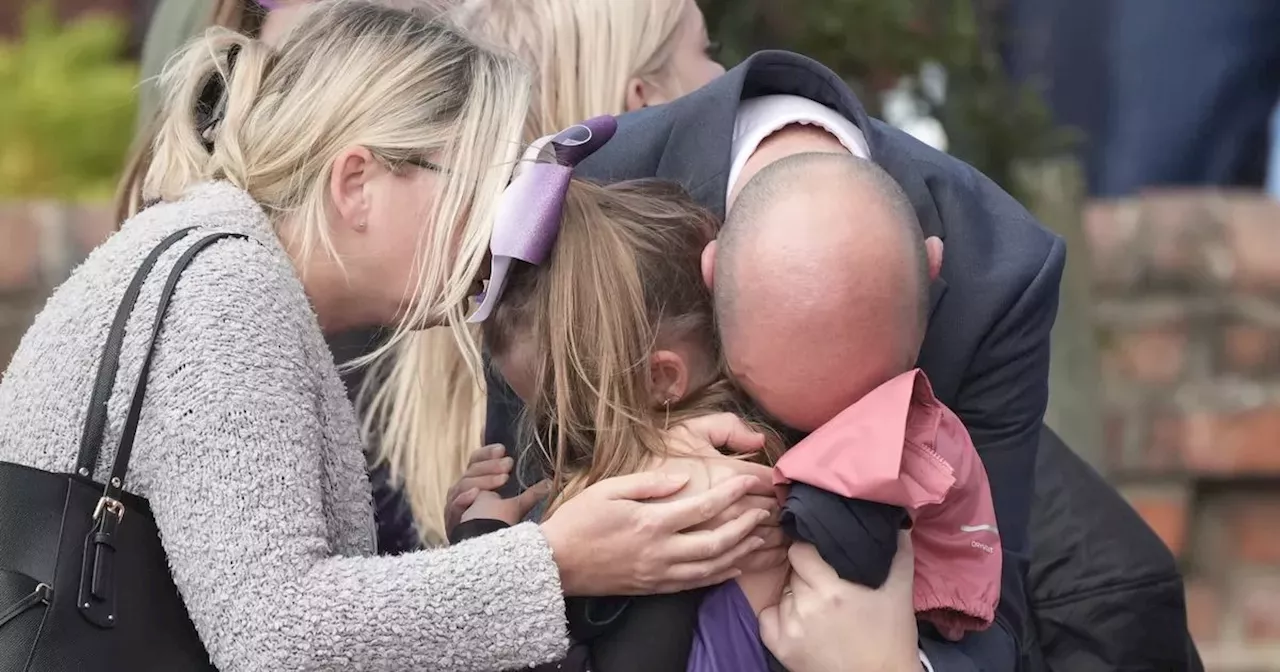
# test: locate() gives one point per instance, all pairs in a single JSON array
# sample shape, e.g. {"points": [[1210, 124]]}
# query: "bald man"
{"points": [[826, 287], [992, 303]]}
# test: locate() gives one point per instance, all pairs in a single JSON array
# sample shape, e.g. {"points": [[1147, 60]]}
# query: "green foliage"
{"points": [[67, 111], [990, 122]]}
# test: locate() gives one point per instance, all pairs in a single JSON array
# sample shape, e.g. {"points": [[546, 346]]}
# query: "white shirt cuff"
{"points": [[924, 662]]}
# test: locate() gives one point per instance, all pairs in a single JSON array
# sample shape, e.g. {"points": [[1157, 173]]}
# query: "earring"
{"points": [[361, 226], [666, 420]]}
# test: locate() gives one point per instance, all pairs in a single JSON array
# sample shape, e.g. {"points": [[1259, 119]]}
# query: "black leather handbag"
{"points": [[84, 582]]}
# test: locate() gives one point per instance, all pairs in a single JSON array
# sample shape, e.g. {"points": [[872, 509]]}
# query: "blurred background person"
{"points": [[1165, 93]]}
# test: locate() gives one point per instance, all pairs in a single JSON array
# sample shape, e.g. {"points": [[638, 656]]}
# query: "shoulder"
{"points": [[986, 231], [236, 294]]}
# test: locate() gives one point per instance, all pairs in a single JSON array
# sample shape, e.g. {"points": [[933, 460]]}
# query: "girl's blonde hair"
{"points": [[429, 413], [585, 51], [403, 85], [624, 279]]}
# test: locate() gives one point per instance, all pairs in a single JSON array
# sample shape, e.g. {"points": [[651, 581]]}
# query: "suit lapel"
{"points": [[698, 151]]}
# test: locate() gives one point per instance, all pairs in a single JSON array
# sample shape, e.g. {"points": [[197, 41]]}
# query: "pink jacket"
{"points": [[899, 445]]}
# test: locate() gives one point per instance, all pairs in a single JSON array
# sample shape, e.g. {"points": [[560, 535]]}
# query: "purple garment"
{"points": [[727, 638]]}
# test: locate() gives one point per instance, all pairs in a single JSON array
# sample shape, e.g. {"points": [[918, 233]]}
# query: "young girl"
{"points": [[612, 338], [609, 342]]}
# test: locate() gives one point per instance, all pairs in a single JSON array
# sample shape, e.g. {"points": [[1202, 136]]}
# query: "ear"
{"points": [[641, 94], [933, 248], [709, 265], [350, 174], [670, 376], [635, 98]]}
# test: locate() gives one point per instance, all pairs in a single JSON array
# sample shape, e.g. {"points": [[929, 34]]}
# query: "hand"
{"points": [[694, 446], [711, 432], [487, 469], [773, 552], [490, 505], [609, 541], [825, 624]]}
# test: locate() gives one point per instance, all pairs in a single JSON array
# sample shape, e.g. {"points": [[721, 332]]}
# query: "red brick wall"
{"points": [[1188, 292], [39, 244]]}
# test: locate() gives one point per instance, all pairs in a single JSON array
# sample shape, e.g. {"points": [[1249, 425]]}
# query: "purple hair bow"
{"points": [[527, 220]]}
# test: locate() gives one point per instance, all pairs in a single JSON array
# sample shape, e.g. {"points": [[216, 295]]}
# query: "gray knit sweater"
{"points": [[248, 452]]}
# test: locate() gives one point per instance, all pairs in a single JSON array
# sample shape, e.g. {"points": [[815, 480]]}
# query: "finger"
{"points": [[461, 503], [702, 573], [725, 430], [484, 482], [532, 496], [763, 487], [798, 587], [697, 509], [763, 559], [771, 628], [808, 564], [787, 607], [492, 467], [492, 451], [767, 503], [641, 486], [715, 544], [747, 503], [774, 537], [902, 571], [693, 584]]}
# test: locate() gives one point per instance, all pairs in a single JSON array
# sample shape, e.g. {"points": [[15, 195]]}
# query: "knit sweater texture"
{"points": [[249, 454]]}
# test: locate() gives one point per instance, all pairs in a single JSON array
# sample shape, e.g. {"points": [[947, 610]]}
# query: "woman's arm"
{"points": [[235, 478]]}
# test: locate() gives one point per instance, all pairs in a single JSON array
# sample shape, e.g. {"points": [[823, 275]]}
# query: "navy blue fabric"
{"points": [[1106, 592], [1062, 49], [856, 537], [985, 651], [1193, 86], [397, 531], [1163, 92]]}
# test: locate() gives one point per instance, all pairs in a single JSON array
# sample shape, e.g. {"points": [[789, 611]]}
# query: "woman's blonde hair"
{"points": [[585, 51], [242, 16], [623, 280], [429, 413], [403, 85]]}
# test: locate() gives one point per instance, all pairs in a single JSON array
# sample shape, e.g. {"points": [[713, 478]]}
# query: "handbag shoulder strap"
{"points": [[109, 364], [115, 484], [95, 424]]}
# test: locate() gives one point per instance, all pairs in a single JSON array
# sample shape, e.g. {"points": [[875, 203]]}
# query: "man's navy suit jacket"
{"points": [[986, 350]]}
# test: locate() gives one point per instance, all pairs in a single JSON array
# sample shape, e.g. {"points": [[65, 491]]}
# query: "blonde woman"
{"points": [[361, 163], [173, 24], [591, 57]]}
